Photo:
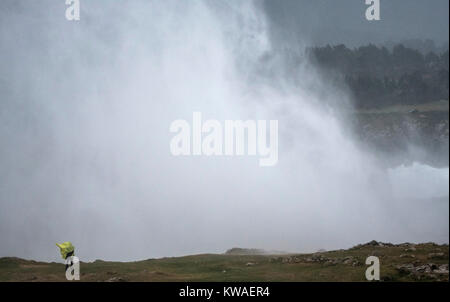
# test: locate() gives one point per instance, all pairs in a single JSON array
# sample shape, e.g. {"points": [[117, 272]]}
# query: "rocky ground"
{"points": [[398, 262], [420, 268]]}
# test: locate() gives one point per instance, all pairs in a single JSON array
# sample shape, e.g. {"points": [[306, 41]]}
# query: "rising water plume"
{"points": [[84, 132]]}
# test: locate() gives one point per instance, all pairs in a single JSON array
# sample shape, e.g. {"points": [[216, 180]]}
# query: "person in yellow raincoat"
{"points": [[67, 251]]}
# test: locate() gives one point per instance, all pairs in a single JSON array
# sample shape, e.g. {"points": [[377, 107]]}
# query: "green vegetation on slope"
{"points": [[404, 262]]}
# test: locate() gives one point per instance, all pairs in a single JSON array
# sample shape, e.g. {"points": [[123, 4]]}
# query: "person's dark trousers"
{"points": [[71, 263]]}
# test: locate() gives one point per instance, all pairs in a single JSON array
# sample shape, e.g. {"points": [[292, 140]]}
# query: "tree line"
{"points": [[378, 77]]}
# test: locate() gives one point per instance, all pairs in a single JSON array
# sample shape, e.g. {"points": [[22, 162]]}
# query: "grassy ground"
{"points": [[342, 265]]}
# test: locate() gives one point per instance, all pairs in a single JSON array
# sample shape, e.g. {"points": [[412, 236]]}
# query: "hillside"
{"points": [[403, 134], [402, 262]]}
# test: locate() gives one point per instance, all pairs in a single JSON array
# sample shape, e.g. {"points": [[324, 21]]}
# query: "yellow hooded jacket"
{"points": [[65, 248]]}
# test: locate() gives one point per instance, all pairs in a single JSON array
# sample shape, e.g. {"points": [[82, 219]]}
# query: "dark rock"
{"points": [[405, 268]]}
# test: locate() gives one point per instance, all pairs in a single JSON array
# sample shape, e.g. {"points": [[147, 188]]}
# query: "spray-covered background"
{"points": [[85, 109]]}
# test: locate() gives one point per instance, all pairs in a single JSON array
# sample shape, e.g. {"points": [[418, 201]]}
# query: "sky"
{"points": [[323, 22], [85, 112]]}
